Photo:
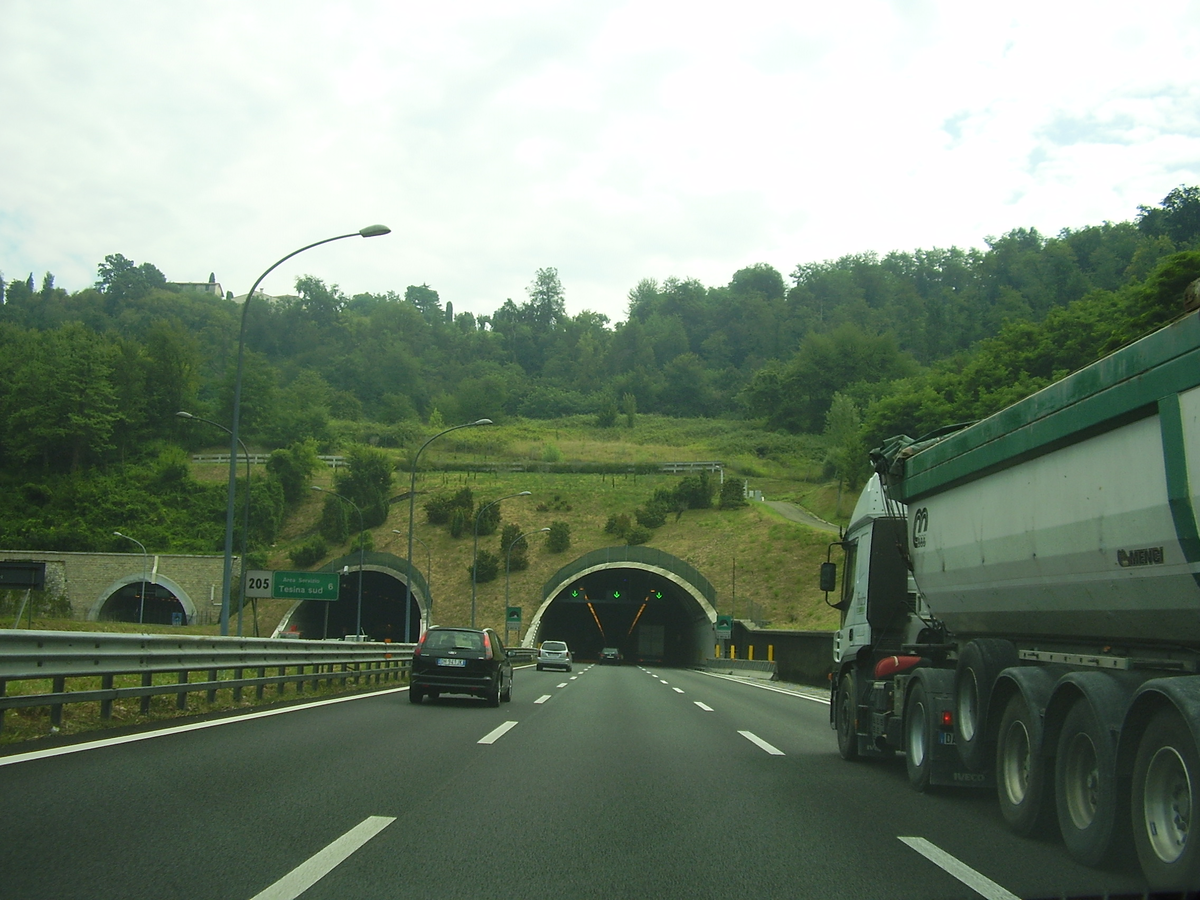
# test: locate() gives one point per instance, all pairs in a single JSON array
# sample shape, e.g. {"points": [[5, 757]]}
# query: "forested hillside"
{"points": [[853, 349]]}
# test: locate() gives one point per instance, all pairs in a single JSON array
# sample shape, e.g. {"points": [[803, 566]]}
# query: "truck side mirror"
{"points": [[828, 576]]}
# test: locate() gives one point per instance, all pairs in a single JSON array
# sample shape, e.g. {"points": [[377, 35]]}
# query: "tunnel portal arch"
{"points": [[651, 605], [384, 602], [122, 601]]}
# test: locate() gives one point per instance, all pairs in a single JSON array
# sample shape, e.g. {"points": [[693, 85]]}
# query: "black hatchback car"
{"points": [[461, 661]]}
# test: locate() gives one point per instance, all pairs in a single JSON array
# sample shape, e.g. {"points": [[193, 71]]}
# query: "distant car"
{"points": [[610, 656], [461, 661], [554, 655]]}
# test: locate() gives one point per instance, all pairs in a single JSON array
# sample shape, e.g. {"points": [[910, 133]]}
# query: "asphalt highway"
{"points": [[613, 782]]}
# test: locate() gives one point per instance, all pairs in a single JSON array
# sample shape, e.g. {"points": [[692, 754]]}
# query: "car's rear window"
{"points": [[453, 640], [554, 645]]}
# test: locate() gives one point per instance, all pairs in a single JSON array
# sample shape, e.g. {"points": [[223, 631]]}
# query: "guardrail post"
{"points": [[237, 691], [147, 680], [212, 692], [258, 691], [282, 683], [181, 697], [300, 683], [106, 682], [3, 692], [60, 686]]}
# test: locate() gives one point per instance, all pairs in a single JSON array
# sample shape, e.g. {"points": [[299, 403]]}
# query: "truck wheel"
{"points": [[1166, 797], [981, 661], [1093, 814], [918, 738], [845, 716], [1023, 782]]}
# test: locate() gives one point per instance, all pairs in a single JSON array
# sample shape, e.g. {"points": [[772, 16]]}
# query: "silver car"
{"points": [[554, 655]]}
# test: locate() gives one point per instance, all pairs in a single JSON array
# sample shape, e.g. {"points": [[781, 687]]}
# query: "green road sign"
{"points": [[724, 628], [512, 615], [266, 584]]}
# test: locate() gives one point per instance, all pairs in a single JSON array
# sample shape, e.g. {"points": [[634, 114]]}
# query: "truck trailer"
{"points": [[1020, 609]]}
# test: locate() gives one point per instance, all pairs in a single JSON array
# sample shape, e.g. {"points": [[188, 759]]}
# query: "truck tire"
{"points": [[845, 717], [1024, 785], [1093, 814], [918, 738], [1166, 797], [979, 665]]}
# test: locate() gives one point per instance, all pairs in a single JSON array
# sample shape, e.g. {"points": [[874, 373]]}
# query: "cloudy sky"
{"points": [[613, 141]]}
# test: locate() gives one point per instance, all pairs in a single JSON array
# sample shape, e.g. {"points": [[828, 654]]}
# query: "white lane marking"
{"points": [[542, 699], [179, 729], [703, 706], [759, 742], [320, 864], [664, 681], [767, 687], [980, 884], [677, 690], [564, 684], [496, 733], [573, 677]]}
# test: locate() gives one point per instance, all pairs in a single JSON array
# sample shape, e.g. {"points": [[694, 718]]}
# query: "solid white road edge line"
{"points": [[320, 864], [496, 733], [703, 706], [542, 699], [960, 870], [765, 687], [179, 729], [759, 742]]}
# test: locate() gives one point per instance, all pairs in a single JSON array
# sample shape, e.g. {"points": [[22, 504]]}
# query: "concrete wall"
{"points": [[87, 580], [803, 657]]}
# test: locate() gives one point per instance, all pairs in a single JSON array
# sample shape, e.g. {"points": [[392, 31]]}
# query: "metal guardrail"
{"points": [[61, 655], [258, 459]]}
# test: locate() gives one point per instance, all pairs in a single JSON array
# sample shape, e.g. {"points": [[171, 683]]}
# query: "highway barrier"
{"points": [[62, 657]]}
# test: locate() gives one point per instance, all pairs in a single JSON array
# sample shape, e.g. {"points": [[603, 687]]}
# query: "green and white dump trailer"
{"points": [[1021, 608]]}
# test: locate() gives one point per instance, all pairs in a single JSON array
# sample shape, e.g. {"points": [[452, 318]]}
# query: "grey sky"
{"points": [[613, 141]]}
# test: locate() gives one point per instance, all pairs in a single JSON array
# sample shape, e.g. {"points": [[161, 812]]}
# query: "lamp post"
{"points": [[428, 571], [227, 578], [361, 531], [145, 566], [507, 567], [183, 414], [412, 497], [475, 549]]}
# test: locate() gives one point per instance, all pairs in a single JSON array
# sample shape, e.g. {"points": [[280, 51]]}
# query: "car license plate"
{"points": [[451, 662]]}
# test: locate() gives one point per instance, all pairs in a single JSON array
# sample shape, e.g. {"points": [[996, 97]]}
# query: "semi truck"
{"points": [[1020, 609]]}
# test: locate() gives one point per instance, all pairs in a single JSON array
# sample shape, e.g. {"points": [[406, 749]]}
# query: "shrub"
{"points": [[458, 524], [487, 567], [733, 494], [559, 538], [618, 524], [334, 525], [652, 515], [637, 535], [309, 553]]}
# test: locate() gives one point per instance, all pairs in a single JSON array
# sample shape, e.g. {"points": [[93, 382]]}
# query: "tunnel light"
{"points": [[635, 620]]}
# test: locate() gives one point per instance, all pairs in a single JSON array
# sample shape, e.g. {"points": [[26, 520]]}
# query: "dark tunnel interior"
{"points": [[383, 607]]}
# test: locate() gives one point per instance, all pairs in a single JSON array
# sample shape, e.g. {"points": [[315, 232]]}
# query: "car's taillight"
{"points": [[420, 644], [487, 646]]}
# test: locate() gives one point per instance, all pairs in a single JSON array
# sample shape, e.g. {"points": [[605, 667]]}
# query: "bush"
{"points": [[652, 515], [637, 535], [458, 524], [618, 524], [559, 538], [733, 494], [309, 553], [334, 525], [487, 567]]}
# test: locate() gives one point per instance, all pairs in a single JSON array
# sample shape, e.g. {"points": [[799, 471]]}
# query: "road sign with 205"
{"points": [[266, 584]]}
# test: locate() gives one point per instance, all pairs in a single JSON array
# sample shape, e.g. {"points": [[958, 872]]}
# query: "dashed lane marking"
{"points": [[320, 864], [496, 733], [677, 690], [760, 743], [980, 884], [703, 706], [542, 699]]}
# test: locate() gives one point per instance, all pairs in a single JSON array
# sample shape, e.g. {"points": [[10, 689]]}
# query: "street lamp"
{"points": [[145, 566], [412, 497], [227, 578], [428, 572], [507, 567], [475, 550], [246, 521], [361, 542]]}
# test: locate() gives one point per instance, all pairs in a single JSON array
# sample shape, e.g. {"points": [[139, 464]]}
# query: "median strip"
{"points": [[320, 864]]}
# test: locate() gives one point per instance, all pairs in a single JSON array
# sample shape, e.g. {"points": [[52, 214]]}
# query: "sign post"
{"points": [[724, 629], [512, 619]]}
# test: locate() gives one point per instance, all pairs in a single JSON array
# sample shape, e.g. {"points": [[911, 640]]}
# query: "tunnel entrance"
{"points": [[654, 608], [383, 607], [146, 602]]}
